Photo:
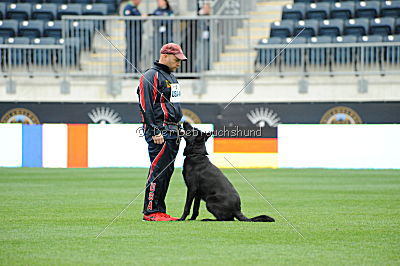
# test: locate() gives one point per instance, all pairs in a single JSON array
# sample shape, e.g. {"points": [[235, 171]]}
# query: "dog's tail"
{"points": [[261, 218]]}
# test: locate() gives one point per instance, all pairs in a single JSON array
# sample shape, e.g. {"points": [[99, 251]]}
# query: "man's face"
{"points": [[136, 2], [172, 62]]}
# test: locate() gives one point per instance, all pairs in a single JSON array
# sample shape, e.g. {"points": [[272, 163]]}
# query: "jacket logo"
{"points": [[168, 84]]}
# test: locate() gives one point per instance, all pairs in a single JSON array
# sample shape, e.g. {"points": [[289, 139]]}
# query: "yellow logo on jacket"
{"points": [[168, 84]]}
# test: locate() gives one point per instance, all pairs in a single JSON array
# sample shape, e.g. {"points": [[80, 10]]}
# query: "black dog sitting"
{"points": [[206, 182]]}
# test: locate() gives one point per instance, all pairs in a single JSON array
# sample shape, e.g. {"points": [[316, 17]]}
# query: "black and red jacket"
{"points": [[154, 93]]}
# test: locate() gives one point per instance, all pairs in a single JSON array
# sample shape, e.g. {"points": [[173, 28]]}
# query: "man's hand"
{"points": [[158, 139]]}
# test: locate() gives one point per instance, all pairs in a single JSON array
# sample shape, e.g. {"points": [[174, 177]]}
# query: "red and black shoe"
{"points": [[159, 217]]}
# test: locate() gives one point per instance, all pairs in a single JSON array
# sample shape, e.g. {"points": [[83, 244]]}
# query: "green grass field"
{"points": [[52, 216]]}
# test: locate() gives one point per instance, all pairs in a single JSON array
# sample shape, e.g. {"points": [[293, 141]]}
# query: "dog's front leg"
{"points": [[196, 207], [189, 199]]}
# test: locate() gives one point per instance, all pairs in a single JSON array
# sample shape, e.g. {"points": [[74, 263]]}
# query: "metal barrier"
{"points": [[116, 47], [328, 59], [126, 46], [31, 60]]}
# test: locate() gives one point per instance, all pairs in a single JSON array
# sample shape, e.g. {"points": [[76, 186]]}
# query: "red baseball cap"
{"points": [[173, 48]]}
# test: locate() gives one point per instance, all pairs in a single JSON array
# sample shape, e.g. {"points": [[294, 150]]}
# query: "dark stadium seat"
{"points": [[83, 2], [58, 2], [295, 11], [310, 27], [292, 55], [18, 40], [397, 26], [95, 10], [111, 5], [342, 10], [32, 1], [85, 30], [356, 27], [19, 11], [382, 26], [44, 41], [392, 38], [370, 54], [319, 55], [390, 9], [282, 28], [320, 39], [44, 12], [266, 55], [31, 28], [371, 38], [8, 28], [392, 53], [333, 27], [43, 56], [69, 10], [1, 40], [344, 55], [367, 9], [2, 11], [17, 56], [345, 39], [53, 29], [317, 11]]}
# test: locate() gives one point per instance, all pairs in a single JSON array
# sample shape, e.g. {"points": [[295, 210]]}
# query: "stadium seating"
{"points": [[18, 11], [342, 10], [95, 10], [319, 56], [282, 28], [44, 12], [43, 56], [307, 28], [8, 28], [344, 55], [317, 11], [333, 27], [53, 29], [397, 26], [31, 29], [111, 5], [17, 56], [356, 27], [367, 9], [69, 10], [382, 26], [2, 10], [390, 9], [296, 11], [291, 55]]}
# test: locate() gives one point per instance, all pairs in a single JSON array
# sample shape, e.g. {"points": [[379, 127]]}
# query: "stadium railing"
{"points": [[332, 59]]}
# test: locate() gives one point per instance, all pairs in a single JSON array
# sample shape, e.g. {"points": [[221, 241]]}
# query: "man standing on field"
{"points": [[159, 101]]}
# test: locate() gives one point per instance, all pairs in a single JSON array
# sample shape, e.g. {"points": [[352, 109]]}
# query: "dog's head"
{"points": [[195, 140]]}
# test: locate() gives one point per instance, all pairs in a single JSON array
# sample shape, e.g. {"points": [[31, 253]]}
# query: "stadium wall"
{"points": [[121, 145]]}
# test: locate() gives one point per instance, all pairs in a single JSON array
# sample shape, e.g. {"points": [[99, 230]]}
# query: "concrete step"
{"points": [[241, 66], [254, 31], [236, 56]]}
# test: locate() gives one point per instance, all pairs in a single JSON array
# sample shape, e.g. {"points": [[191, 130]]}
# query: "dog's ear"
{"points": [[207, 135]]}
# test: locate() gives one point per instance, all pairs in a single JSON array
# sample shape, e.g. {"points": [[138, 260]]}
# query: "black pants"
{"points": [[159, 176]]}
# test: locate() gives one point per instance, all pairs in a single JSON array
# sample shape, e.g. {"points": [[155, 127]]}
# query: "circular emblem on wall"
{"points": [[190, 116], [341, 115], [20, 115]]}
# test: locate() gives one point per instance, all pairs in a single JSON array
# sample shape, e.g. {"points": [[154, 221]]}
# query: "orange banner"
{"points": [[246, 145], [77, 146]]}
